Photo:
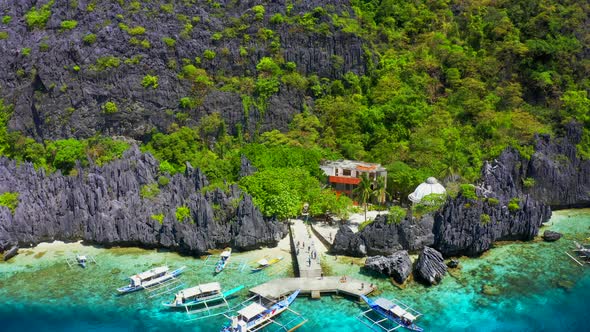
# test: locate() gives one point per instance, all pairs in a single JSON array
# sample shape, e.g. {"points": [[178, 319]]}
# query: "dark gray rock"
{"points": [[11, 253], [453, 263], [102, 205], [430, 266], [551, 236], [398, 265], [383, 238], [53, 100], [246, 167], [346, 242]]}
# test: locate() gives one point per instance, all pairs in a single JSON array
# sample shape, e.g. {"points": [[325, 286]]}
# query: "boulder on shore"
{"points": [[398, 265], [551, 236], [430, 267]]}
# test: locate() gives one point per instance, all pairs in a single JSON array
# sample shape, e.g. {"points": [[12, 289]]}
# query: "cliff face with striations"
{"points": [[515, 196], [60, 84], [103, 205]]}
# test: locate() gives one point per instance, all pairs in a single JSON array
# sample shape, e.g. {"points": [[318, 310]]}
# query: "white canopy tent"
{"points": [[431, 186]]}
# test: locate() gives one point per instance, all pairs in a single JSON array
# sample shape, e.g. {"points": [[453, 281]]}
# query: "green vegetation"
{"points": [[493, 201], [26, 51], [109, 107], [258, 11], [6, 19], [9, 200], [182, 213], [149, 81], [38, 17], [89, 39], [3, 35], [149, 191], [136, 31], [396, 214], [163, 180], [159, 218], [514, 204], [365, 224], [170, 42], [528, 182], [209, 54], [484, 218], [68, 24], [468, 191], [107, 62]]}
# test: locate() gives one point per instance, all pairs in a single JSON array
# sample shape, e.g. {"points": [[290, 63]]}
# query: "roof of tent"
{"points": [[251, 311], [430, 186]]}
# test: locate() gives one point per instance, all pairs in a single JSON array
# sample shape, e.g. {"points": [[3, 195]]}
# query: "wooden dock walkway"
{"points": [[305, 246], [277, 288]]}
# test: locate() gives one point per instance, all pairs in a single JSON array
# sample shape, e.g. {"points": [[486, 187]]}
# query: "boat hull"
{"points": [[380, 311], [164, 278], [204, 300]]}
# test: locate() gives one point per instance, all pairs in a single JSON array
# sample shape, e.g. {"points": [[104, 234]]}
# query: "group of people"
{"points": [[312, 254]]}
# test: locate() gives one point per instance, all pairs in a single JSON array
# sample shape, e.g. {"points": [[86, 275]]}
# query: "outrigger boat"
{"points": [[200, 294], [150, 278], [81, 260], [397, 313], [224, 258], [256, 316], [264, 263]]}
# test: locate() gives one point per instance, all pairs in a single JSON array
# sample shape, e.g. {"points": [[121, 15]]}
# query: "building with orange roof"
{"points": [[345, 175]]}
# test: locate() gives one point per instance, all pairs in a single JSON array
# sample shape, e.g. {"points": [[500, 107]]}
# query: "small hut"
{"points": [[430, 186]]}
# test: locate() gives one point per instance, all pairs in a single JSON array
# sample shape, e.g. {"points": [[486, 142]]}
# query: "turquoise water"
{"points": [[528, 286]]}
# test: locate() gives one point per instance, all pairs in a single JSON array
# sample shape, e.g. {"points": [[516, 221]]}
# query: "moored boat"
{"points": [[255, 316], [397, 313], [150, 278], [200, 294], [264, 263], [81, 259], [223, 259]]}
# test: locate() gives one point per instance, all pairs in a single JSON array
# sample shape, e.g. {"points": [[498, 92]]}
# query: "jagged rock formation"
{"points": [[246, 167], [383, 238], [551, 236], [346, 242], [398, 265], [514, 197], [59, 86], [103, 205], [430, 267]]}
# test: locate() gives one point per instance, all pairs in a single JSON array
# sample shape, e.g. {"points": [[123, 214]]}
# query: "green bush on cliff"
{"points": [[38, 17], [514, 204], [68, 24], [89, 39], [468, 191], [396, 214], [9, 200], [484, 219], [3, 35], [159, 218], [182, 213], [149, 191], [149, 81]]}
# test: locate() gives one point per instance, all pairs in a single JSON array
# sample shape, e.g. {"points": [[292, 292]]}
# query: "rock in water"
{"points": [[430, 266], [551, 236], [398, 265], [453, 263], [11, 253], [346, 242]]}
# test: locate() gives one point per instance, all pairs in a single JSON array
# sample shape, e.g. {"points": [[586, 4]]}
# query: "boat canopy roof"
{"points": [[226, 253], [395, 309], [398, 311], [263, 262], [81, 258], [151, 273], [200, 289], [252, 311], [409, 317], [384, 303]]}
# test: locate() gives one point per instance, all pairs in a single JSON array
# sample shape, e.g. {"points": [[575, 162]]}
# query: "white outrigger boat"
{"points": [[81, 260], [264, 263], [151, 278], [398, 313], [200, 294], [223, 259], [256, 316]]}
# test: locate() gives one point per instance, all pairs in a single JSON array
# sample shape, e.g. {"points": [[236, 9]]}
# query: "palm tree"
{"points": [[364, 191], [379, 190]]}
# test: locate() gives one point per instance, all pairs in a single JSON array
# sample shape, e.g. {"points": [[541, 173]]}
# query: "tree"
{"points": [[364, 192], [379, 189]]}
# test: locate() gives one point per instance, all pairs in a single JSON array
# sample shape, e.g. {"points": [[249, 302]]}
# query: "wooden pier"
{"points": [[303, 244], [277, 288]]}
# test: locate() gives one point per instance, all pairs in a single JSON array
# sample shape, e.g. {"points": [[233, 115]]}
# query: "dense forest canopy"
{"points": [[444, 86]]}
